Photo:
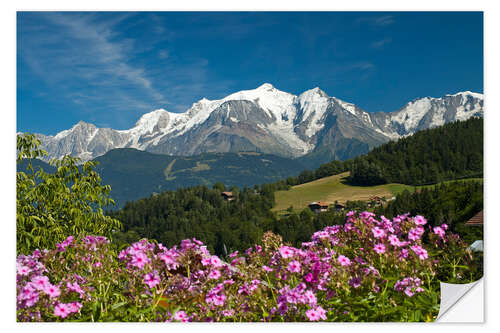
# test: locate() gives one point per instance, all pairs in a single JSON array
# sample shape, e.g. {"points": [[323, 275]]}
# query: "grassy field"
{"points": [[331, 189], [334, 188]]}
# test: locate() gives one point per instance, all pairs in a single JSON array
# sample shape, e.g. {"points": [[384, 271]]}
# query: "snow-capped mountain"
{"points": [[267, 120], [429, 112]]}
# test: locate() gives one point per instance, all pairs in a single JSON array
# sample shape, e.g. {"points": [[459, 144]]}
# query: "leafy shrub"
{"points": [[51, 207], [364, 270]]}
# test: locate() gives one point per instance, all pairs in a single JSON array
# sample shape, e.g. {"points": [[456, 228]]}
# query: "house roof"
{"points": [[476, 219], [319, 203], [229, 194]]}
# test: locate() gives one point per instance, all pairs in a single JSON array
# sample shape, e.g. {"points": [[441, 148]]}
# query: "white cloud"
{"points": [[77, 50], [379, 43], [163, 54]]}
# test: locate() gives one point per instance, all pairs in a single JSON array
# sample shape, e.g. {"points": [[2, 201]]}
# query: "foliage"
{"points": [[453, 203], [365, 270], [202, 213], [53, 206], [452, 151]]}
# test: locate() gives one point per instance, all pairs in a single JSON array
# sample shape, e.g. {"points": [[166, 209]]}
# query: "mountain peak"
{"points": [[83, 123], [266, 86], [148, 120], [313, 92], [468, 93]]}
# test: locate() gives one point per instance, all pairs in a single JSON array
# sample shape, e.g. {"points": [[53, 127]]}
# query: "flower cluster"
{"points": [[409, 286], [367, 263], [35, 290]]}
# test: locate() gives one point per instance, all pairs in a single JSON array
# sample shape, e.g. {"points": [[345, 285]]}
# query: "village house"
{"points": [[339, 207], [318, 206], [375, 201], [228, 196], [476, 220]]}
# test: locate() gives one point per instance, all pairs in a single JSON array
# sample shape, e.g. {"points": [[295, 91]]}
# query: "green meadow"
{"points": [[335, 188]]}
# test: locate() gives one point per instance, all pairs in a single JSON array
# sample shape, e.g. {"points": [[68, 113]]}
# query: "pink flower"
{"points": [[343, 260], [122, 254], [182, 316], [170, 262], [294, 266], [403, 254], [23, 270], [205, 261], [355, 282], [215, 274], [61, 310], [74, 307], [68, 240], [309, 277], [415, 233], [52, 291], [76, 288], [393, 239], [267, 269], [28, 291], [379, 248], [409, 292], [316, 314], [139, 260], [419, 220], [152, 279], [40, 282], [215, 261], [377, 232], [419, 251], [286, 251], [312, 315], [228, 313], [219, 299], [439, 231], [32, 300], [444, 226], [310, 297], [321, 312]]}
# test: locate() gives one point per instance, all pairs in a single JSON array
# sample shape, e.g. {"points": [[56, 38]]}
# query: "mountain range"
{"points": [[311, 127]]}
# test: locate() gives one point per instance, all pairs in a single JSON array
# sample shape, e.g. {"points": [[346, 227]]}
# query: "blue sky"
{"points": [[110, 68]]}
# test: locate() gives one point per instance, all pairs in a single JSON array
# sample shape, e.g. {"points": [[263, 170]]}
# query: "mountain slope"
{"points": [[134, 174], [312, 126]]}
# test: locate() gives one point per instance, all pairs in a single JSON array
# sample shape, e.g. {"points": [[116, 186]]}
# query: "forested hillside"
{"points": [[200, 212], [449, 152]]}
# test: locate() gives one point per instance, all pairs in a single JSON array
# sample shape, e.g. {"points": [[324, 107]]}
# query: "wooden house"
{"points": [[376, 201], [339, 207], [228, 196], [476, 220], [318, 206]]}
